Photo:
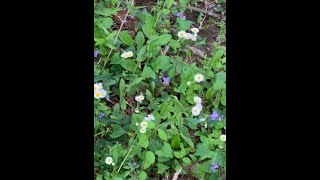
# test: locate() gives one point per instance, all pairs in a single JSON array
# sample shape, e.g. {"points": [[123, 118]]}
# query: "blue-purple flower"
{"points": [[96, 52], [214, 167], [180, 15], [166, 81], [102, 115], [214, 115]]}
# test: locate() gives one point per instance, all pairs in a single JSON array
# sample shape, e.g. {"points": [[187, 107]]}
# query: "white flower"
{"points": [[100, 94], [113, 164], [188, 36], [98, 86], [223, 137], [109, 160], [139, 98], [188, 83], [206, 125], [198, 78], [137, 110], [137, 124], [181, 34], [197, 100], [143, 130], [194, 37], [221, 147], [144, 124], [196, 110], [124, 55], [150, 117], [127, 54], [195, 30]]}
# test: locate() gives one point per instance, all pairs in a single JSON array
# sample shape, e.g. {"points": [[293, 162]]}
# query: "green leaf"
{"points": [[141, 56], [169, 3], [210, 92], [219, 84], [126, 38], [184, 24], [147, 30], [148, 72], [163, 39], [143, 141], [134, 82], [117, 131], [162, 62], [186, 161], [183, 2], [180, 154], [99, 177], [162, 134], [107, 22], [129, 65], [148, 160], [116, 152], [140, 40], [162, 168], [188, 140], [165, 152], [123, 103], [149, 95], [175, 142], [142, 175]]}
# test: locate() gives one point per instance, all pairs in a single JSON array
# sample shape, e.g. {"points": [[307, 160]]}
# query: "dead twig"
{"points": [[204, 11]]}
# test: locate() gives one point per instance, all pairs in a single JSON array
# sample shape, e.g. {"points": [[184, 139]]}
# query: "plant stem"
{"points": [[127, 155]]}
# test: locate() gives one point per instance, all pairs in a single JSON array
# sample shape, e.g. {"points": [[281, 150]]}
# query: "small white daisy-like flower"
{"points": [[124, 55], [139, 98], [188, 36], [137, 110], [182, 34], [113, 164], [143, 130], [188, 83], [100, 94], [196, 110], [144, 124], [223, 137], [137, 124], [197, 100], [129, 54], [98, 86], [221, 147], [195, 30], [109, 160], [198, 78]]}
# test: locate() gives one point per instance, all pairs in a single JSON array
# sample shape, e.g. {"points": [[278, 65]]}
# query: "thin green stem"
{"points": [[124, 160]]}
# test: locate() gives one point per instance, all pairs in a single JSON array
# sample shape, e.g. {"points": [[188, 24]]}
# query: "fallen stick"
{"points": [[204, 11]]}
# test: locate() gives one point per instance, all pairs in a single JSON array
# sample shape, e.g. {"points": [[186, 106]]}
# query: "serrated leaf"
{"points": [[126, 38], [148, 160], [162, 134]]}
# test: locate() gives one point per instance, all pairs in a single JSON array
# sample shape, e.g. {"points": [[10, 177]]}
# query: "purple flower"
{"points": [[124, 21], [214, 167], [166, 81], [214, 115], [102, 115], [179, 14], [96, 52]]}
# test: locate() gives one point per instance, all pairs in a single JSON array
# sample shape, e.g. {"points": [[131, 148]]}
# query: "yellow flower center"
{"points": [[95, 88], [98, 94], [199, 78]]}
